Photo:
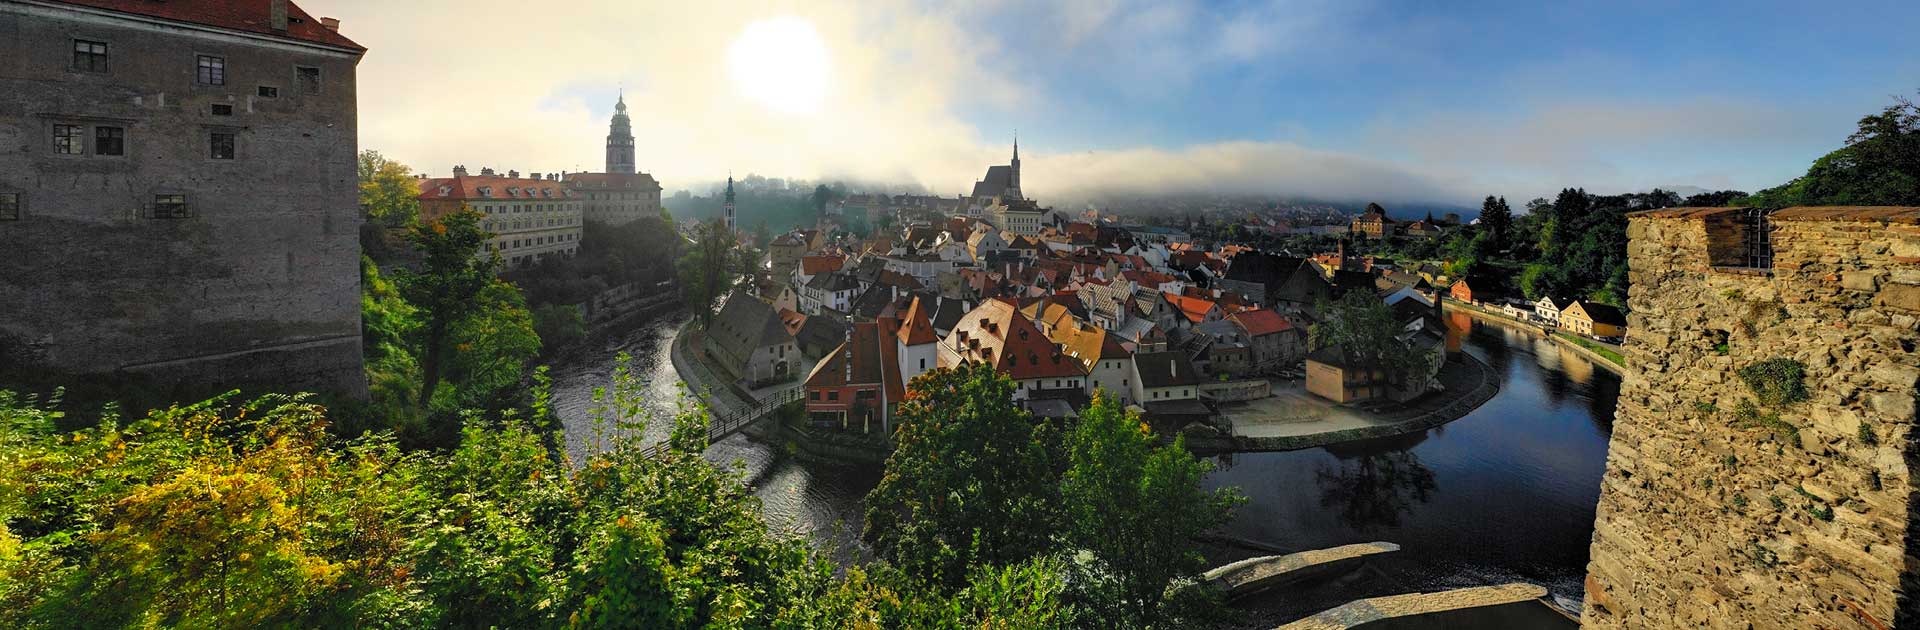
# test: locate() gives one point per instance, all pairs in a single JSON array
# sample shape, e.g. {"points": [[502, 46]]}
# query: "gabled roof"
{"points": [[816, 265], [1262, 267], [915, 327], [833, 283], [1603, 313], [746, 324], [867, 358], [249, 16], [1261, 322], [997, 333], [1195, 309], [947, 314], [1089, 344], [1165, 369]]}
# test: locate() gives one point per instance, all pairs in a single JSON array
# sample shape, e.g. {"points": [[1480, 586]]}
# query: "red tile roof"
{"points": [[1195, 309], [997, 333], [1261, 322], [915, 327], [250, 16], [816, 265], [469, 187]]}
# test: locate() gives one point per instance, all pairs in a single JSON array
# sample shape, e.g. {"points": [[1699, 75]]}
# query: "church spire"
{"points": [[1014, 181], [728, 207]]}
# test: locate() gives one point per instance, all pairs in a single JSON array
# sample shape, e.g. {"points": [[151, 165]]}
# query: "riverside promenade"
{"points": [[1552, 334]]}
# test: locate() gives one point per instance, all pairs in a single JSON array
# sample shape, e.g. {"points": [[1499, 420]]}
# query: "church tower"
{"points": [[1014, 181], [620, 141], [728, 208]]}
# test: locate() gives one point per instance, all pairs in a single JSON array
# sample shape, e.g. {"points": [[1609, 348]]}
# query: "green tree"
{"points": [[971, 481], [822, 195], [1879, 166], [492, 348], [1496, 219], [452, 275], [1138, 506], [559, 325], [1363, 325], [711, 268], [388, 191]]}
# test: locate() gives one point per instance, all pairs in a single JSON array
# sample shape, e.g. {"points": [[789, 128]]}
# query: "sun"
{"points": [[782, 64]]}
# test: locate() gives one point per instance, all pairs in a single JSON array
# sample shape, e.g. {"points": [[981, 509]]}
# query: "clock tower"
{"points": [[620, 141]]}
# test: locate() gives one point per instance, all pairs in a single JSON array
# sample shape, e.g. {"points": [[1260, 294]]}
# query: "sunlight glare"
{"points": [[782, 64]]}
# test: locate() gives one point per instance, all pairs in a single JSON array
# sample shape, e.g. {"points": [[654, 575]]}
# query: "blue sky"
{"points": [[1770, 85], [1356, 100]]}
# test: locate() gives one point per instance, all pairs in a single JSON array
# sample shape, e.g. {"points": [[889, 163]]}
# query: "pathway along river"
{"points": [[1505, 494]]}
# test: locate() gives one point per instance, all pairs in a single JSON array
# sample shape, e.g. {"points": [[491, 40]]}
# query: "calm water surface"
{"points": [[819, 502], [1504, 494]]}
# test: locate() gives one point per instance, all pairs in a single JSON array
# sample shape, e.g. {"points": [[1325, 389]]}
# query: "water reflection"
{"points": [[1372, 485], [1506, 493]]}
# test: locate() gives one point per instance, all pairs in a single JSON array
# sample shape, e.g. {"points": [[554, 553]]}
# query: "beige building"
{"points": [[529, 218], [614, 198]]}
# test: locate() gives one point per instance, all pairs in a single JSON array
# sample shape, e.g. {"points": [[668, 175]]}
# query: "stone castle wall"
{"points": [[257, 285], [1719, 511]]}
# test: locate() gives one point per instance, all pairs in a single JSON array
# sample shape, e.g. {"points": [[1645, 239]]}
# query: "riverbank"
{"points": [[1616, 364], [786, 431], [1295, 420]]}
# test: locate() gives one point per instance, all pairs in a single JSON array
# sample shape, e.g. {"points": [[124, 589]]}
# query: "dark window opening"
{"points": [[109, 141], [223, 110], [1757, 238], [212, 70], [268, 91], [89, 56], [309, 79], [67, 140], [222, 146], [9, 206], [170, 207]]}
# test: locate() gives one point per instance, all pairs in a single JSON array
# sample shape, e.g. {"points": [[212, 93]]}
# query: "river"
{"points": [[1505, 494]]}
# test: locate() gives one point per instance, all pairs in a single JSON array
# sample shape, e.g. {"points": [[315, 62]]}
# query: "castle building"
{"points": [[621, 194], [178, 197], [530, 218]]}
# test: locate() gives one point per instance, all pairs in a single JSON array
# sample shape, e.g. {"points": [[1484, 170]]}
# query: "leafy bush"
{"points": [[1777, 382]]}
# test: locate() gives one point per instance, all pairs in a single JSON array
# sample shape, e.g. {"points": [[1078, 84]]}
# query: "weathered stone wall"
{"points": [[1718, 511], [258, 285]]}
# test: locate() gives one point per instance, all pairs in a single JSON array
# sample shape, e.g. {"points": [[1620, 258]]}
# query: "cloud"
{"points": [[1231, 167]]}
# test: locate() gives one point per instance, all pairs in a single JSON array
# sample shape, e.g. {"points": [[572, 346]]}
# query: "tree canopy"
{"points": [[1879, 166]]}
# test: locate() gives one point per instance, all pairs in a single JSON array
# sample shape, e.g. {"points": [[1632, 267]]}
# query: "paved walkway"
{"points": [[725, 397], [1293, 419]]}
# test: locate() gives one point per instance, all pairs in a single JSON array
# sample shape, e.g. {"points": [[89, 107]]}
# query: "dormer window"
{"points": [[446, 190], [486, 191]]}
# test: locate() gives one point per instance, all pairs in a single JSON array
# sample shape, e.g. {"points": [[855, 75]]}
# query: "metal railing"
{"points": [[721, 426]]}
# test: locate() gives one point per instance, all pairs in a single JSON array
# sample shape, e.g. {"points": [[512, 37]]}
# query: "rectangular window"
{"points": [[221, 145], [833, 395], [9, 206], [223, 110], [67, 140], [170, 206], [213, 70], [89, 56], [109, 141], [268, 91], [309, 79]]}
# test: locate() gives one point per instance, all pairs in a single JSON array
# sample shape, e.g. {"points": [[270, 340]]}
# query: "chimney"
{"points": [[513, 174], [277, 15], [534, 176], [332, 24], [486, 171], [459, 170]]}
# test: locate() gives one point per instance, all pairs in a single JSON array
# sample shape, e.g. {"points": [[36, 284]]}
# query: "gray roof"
{"points": [[746, 324], [1165, 369], [833, 282], [998, 179]]}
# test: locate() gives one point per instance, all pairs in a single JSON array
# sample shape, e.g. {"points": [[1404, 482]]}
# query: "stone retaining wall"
{"points": [[1720, 511]]}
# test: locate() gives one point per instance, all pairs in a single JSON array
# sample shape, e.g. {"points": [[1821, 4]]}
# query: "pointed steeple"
{"points": [[1014, 181], [620, 139], [727, 208]]}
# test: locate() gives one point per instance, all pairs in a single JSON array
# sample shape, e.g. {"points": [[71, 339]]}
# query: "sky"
{"points": [[1347, 100]]}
